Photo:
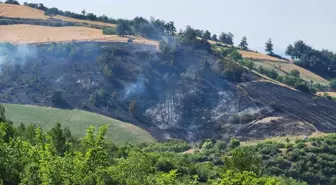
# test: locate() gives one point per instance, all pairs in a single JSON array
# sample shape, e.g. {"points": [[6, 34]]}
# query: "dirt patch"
{"points": [[30, 34], [332, 94], [19, 11]]}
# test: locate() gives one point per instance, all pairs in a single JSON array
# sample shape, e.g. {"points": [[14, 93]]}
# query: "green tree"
{"points": [[207, 35], [170, 28], [2, 113], [51, 12], [123, 28], [295, 73], [234, 178], [332, 84], [226, 38], [83, 12], [243, 44], [12, 2], [58, 139], [214, 37], [244, 159], [269, 46], [234, 143]]}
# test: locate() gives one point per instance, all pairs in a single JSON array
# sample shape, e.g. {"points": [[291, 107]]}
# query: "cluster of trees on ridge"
{"points": [[29, 155], [322, 62]]}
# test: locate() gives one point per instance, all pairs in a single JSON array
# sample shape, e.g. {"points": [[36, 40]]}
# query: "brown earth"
{"points": [[19, 11], [31, 34]]}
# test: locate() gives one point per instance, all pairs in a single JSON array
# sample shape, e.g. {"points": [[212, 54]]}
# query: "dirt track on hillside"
{"points": [[30, 34]]}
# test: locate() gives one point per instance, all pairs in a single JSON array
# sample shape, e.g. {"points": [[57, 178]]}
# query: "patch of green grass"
{"points": [[78, 121]]}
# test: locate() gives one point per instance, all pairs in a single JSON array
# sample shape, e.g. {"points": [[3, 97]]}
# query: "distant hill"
{"points": [[78, 121], [19, 11]]}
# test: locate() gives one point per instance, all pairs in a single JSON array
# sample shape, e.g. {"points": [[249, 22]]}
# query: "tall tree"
{"points": [[243, 44], [51, 12], [83, 12], [214, 37], [207, 35], [170, 28], [226, 38], [269, 46]]}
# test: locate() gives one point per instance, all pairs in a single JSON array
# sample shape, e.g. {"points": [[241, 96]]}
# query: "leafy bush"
{"points": [[109, 31], [333, 84], [295, 73]]}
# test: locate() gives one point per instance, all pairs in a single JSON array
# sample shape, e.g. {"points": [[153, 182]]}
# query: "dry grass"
{"points": [[332, 94], [282, 139], [257, 56], [30, 34], [284, 67], [19, 11]]}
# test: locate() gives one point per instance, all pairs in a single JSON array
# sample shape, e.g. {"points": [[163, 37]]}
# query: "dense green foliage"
{"points": [[109, 31], [333, 84], [12, 2], [321, 62], [30, 156], [77, 121], [312, 161]]}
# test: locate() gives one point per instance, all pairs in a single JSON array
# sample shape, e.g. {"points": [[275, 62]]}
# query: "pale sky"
{"points": [[285, 21]]}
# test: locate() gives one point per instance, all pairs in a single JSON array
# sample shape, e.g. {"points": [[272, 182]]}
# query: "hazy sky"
{"points": [[313, 21]]}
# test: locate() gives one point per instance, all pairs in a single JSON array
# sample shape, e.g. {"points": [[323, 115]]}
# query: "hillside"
{"points": [[78, 121], [26, 34], [19, 11], [185, 97], [282, 67]]}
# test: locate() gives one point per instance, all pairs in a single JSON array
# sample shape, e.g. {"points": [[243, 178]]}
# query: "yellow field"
{"points": [[19, 11], [30, 34], [332, 94], [257, 56], [283, 67]]}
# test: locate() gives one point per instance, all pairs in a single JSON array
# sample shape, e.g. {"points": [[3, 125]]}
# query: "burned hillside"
{"points": [[186, 93]]}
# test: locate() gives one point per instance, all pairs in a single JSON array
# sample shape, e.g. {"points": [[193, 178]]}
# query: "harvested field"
{"points": [[257, 56], [19, 11], [30, 34], [332, 94], [284, 67]]}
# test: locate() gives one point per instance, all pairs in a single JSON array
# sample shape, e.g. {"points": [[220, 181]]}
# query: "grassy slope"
{"points": [[19, 11], [119, 132]]}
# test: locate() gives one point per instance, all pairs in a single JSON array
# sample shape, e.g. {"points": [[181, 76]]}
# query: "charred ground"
{"points": [[187, 94]]}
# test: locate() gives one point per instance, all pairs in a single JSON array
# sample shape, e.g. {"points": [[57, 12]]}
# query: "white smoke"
{"points": [[135, 88], [16, 54]]}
